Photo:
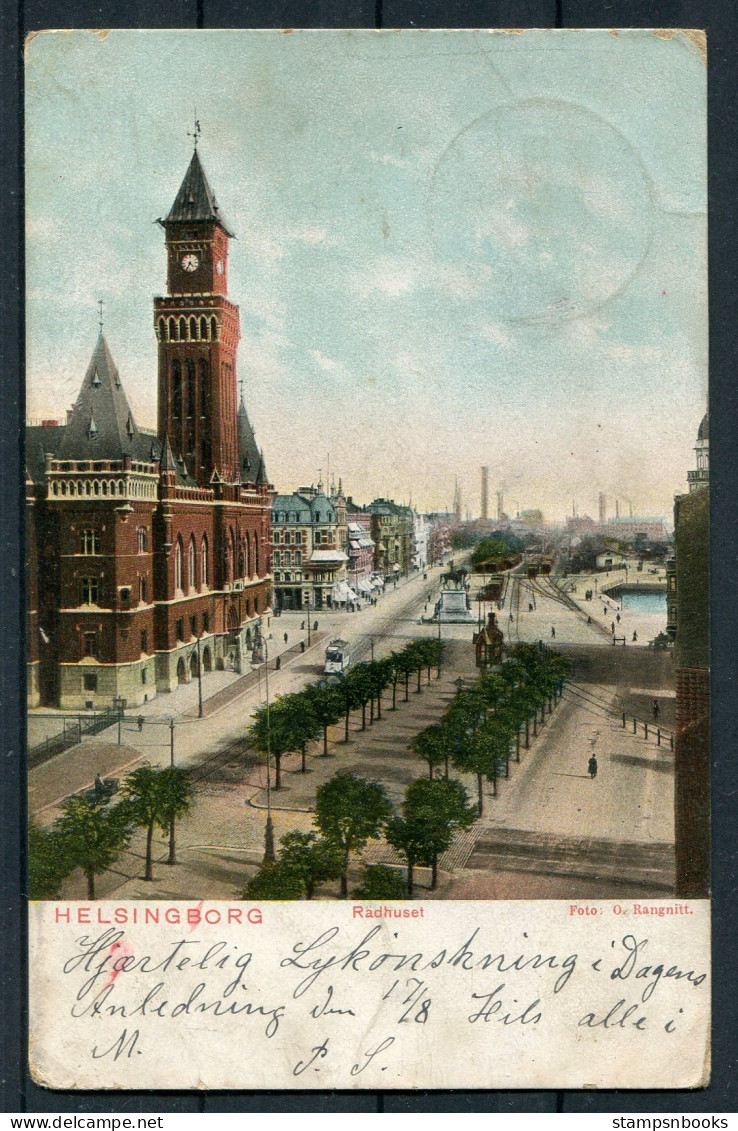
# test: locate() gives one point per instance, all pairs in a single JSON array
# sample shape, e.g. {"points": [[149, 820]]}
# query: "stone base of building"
{"points": [[692, 783], [92, 686]]}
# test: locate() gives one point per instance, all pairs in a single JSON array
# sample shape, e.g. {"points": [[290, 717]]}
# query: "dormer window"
{"points": [[96, 380], [93, 429]]}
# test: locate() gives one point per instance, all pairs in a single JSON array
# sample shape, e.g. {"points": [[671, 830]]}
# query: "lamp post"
{"points": [[199, 678], [172, 857], [269, 855], [440, 646]]}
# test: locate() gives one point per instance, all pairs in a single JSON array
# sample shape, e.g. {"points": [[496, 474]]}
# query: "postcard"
{"points": [[367, 483]]}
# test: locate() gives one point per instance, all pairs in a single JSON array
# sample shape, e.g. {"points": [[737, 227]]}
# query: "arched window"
{"points": [[142, 539], [178, 565], [162, 330], [172, 330], [203, 328], [182, 330], [190, 371], [193, 564], [232, 554], [193, 329], [241, 561], [176, 388], [298, 557], [204, 399], [256, 555], [204, 563], [288, 539], [276, 537], [213, 328], [277, 557], [287, 560]]}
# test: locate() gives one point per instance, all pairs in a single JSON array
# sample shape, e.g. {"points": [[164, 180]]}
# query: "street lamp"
{"points": [[199, 678], [269, 855]]}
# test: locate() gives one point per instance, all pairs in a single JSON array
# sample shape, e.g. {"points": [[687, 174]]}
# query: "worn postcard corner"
{"points": [[367, 483]]}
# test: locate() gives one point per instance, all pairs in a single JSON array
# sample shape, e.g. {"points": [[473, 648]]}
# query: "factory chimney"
{"points": [[500, 506], [603, 508], [485, 494]]}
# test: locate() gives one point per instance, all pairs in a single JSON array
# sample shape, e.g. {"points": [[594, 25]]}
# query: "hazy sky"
{"points": [[454, 248]]}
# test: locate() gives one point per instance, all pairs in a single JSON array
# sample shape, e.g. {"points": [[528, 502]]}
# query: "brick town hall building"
{"points": [[150, 554]]}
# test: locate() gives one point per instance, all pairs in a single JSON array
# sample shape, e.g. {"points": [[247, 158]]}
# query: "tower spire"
{"points": [[100, 305]]}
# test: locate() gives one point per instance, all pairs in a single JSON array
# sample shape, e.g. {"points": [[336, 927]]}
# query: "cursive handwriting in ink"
{"points": [[492, 1006], [370, 1054], [123, 1046], [318, 1053], [326, 1007], [617, 1017], [652, 974]]}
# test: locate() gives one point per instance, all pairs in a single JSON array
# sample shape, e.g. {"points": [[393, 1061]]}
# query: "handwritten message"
{"points": [[326, 995]]}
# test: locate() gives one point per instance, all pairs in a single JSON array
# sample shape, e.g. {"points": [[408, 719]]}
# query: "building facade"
{"points": [[149, 553], [392, 533], [310, 566], [691, 596]]}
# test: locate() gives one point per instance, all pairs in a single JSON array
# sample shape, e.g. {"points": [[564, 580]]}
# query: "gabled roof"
{"points": [[195, 200], [101, 425]]}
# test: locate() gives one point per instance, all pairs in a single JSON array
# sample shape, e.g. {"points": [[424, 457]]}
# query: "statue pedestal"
{"points": [[452, 608]]}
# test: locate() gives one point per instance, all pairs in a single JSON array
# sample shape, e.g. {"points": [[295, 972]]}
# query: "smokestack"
{"points": [[630, 509], [603, 508], [500, 506], [485, 494], [617, 508]]}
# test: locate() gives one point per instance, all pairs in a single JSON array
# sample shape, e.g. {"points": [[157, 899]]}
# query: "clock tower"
{"points": [[197, 328]]}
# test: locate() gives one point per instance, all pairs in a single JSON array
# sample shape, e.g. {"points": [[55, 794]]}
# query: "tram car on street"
{"points": [[337, 657]]}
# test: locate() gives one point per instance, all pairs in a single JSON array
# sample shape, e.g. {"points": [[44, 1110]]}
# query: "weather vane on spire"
{"points": [[197, 131], [240, 387], [100, 304]]}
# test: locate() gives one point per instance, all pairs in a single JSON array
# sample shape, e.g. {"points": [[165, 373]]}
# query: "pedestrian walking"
{"points": [[589, 620], [592, 767], [617, 618], [286, 637], [604, 610], [656, 709], [530, 607], [140, 722], [315, 626], [302, 627], [635, 637], [553, 632], [612, 628]]}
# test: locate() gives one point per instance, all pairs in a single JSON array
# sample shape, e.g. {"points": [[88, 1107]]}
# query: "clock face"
{"points": [[190, 262], [219, 267]]}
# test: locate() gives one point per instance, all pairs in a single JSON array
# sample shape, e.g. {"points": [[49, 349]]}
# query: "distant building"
{"points": [[308, 563], [690, 594], [392, 532], [532, 519], [635, 529], [421, 541]]}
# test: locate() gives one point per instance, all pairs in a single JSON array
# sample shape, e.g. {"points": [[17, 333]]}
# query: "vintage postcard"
{"points": [[367, 479]]}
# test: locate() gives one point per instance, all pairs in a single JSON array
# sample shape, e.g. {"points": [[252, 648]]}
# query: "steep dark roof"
{"points": [[195, 200], [250, 459], [704, 428], [102, 425], [39, 441]]}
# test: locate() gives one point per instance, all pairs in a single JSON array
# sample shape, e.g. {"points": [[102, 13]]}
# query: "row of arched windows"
{"points": [[241, 560], [190, 329], [188, 388], [179, 564], [288, 537], [88, 488]]}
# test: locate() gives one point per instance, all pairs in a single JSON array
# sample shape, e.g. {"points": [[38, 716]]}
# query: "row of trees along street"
{"points": [[289, 724], [94, 829], [476, 735]]}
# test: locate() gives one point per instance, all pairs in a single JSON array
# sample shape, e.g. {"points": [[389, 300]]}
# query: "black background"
{"points": [[720, 19]]}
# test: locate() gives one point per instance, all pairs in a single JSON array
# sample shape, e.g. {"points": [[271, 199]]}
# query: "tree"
{"points": [[380, 882], [49, 862], [483, 754], [298, 724], [432, 744], [274, 881], [380, 673], [327, 704], [311, 858], [349, 689], [396, 671], [349, 811], [409, 835], [94, 833], [362, 688], [157, 798], [501, 545], [446, 808]]}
